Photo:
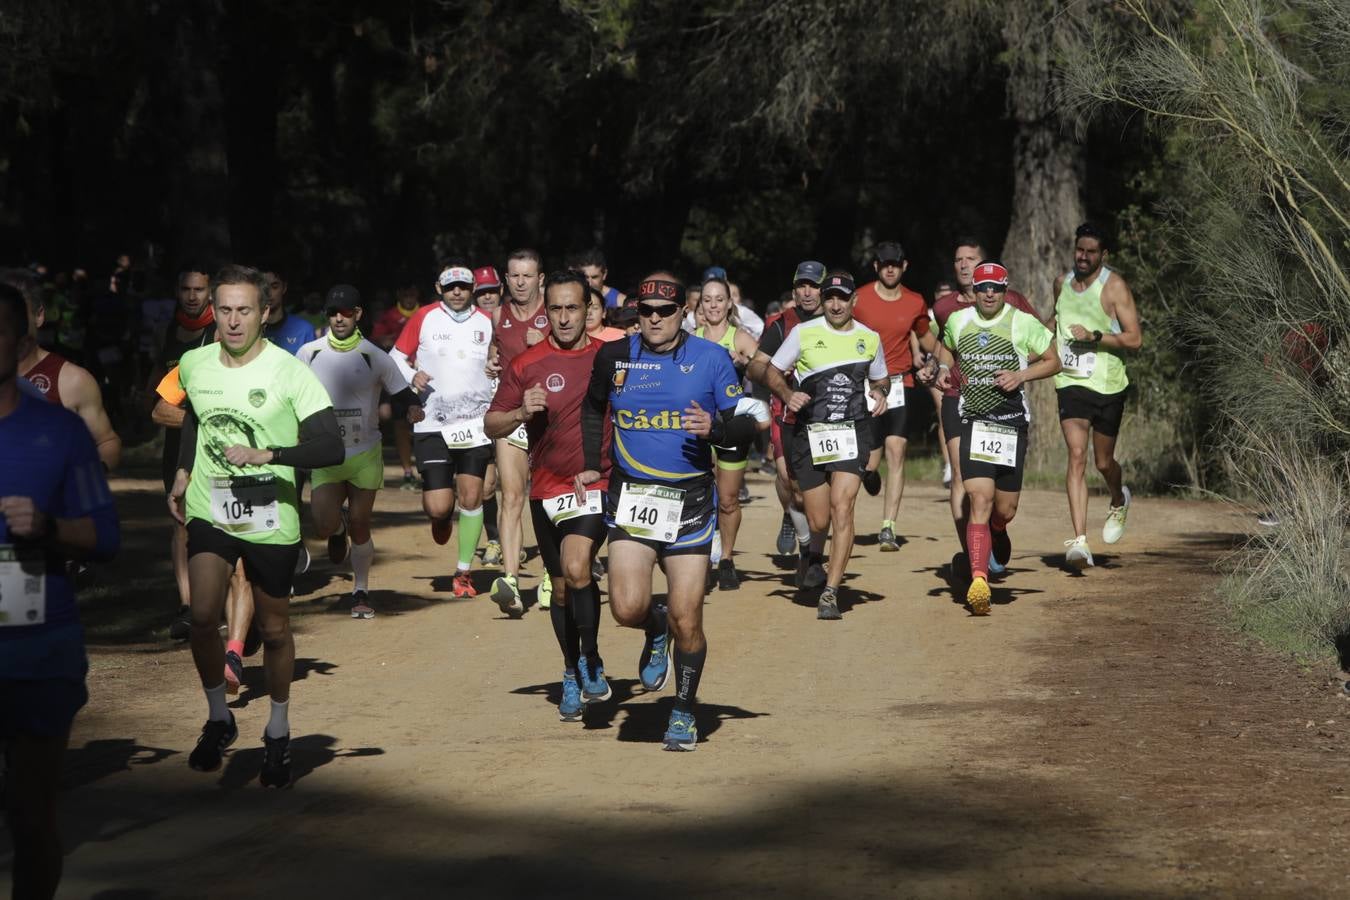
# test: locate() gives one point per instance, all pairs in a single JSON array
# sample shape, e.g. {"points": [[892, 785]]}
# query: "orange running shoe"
{"points": [[463, 585]]}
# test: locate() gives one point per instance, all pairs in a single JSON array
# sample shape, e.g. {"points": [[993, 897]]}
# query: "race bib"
{"points": [[992, 443], [349, 426], [832, 442], [565, 506], [1075, 364], [896, 398], [23, 586], [650, 511], [245, 504], [519, 438], [465, 435]]}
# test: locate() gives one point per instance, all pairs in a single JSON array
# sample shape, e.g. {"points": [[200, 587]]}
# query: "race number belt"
{"points": [[349, 426], [832, 442], [519, 438], [565, 506], [245, 504], [992, 443], [465, 435], [1076, 364], [650, 511], [23, 586]]}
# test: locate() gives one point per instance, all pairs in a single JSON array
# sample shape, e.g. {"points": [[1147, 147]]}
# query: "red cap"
{"points": [[485, 279], [989, 273]]}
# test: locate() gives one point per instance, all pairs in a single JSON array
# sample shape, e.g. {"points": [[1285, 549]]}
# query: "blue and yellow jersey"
{"points": [[646, 394]]}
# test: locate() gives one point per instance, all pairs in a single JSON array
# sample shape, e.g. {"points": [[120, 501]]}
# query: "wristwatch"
{"points": [[1096, 337]]}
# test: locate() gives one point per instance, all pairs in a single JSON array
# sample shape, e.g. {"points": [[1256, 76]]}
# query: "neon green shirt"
{"points": [[985, 346]]}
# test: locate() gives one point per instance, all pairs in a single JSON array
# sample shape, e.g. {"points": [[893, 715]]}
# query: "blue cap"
{"points": [[714, 272], [811, 271]]}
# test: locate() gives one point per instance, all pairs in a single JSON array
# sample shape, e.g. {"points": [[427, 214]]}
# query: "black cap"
{"points": [[890, 251], [342, 296], [837, 283]]}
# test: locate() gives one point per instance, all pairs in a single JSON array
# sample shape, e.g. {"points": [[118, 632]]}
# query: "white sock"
{"points": [[362, 554], [716, 556], [279, 725], [216, 710], [799, 524]]}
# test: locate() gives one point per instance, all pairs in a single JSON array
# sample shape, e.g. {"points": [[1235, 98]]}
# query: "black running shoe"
{"points": [[338, 547], [872, 483], [215, 737], [1001, 545], [180, 629], [827, 607], [727, 579], [276, 767]]}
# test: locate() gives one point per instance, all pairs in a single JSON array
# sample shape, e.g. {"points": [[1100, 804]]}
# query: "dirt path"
{"points": [[1096, 735]]}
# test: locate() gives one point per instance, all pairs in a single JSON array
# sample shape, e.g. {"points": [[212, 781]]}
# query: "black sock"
{"points": [[490, 517], [585, 606], [565, 629], [688, 670]]}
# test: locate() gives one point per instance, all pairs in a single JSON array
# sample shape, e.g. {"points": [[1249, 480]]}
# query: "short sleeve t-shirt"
{"points": [[261, 405], [832, 366], [985, 346], [290, 334], [455, 354], [555, 434], [353, 379], [894, 320]]}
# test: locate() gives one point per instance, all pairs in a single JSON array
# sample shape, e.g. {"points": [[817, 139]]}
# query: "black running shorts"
{"points": [[268, 567], [1006, 478], [550, 536], [698, 519], [1102, 411], [809, 475], [439, 464]]}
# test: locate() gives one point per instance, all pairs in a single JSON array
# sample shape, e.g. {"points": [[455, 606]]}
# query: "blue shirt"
{"points": [[46, 453], [290, 334]]}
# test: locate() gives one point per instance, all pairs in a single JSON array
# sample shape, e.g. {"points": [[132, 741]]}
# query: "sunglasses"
{"points": [[447, 288], [990, 286], [664, 310], [347, 312]]}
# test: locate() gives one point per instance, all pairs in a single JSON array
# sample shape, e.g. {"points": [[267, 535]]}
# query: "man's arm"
{"points": [[596, 404], [1120, 306], [166, 414], [80, 392]]}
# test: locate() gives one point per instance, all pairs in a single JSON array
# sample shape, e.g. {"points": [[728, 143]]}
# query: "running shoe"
{"points": [[597, 570], [361, 608], [492, 554], [1001, 544], [180, 629], [215, 737], [887, 540], [996, 567], [827, 607], [681, 734], [871, 483], [409, 482], [1267, 519], [338, 544], [977, 597], [727, 578], [654, 663], [815, 572], [507, 596], [594, 687], [787, 536], [544, 596], [234, 672], [1114, 527], [440, 530], [1078, 555], [570, 709], [303, 561], [743, 495], [276, 767], [946, 474], [462, 586]]}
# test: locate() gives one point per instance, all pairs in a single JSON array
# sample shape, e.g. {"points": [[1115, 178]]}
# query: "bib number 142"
{"points": [[992, 443]]}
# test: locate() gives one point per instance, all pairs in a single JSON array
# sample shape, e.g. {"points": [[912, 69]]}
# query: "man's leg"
{"points": [[1075, 481], [403, 444], [492, 553], [980, 493], [895, 476], [178, 552], [31, 788], [360, 507], [841, 493], [470, 491], [238, 619], [1104, 453], [729, 483], [583, 600], [274, 621], [685, 580], [325, 508], [210, 577], [513, 475], [960, 506]]}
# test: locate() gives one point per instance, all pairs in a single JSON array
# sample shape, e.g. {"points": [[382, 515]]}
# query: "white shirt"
{"points": [[750, 321], [455, 355], [353, 379]]}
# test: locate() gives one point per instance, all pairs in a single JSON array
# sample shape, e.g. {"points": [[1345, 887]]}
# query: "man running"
{"points": [[353, 371], [543, 389], [1095, 322], [592, 264], [443, 354], [968, 254], [894, 312], [60, 380], [670, 396], [487, 289], [255, 415], [288, 332], [999, 349], [407, 301], [520, 324], [841, 381], [55, 507]]}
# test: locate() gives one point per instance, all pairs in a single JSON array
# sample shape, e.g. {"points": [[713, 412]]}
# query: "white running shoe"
{"points": [[1114, 527], [1078, 555]]}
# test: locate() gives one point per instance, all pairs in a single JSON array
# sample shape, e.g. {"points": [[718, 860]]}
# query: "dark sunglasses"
{"points": [[347, 312], [664, 310], [990, 286]]}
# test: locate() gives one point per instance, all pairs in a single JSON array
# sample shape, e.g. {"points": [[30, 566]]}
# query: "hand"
{"points": [[929, 371], [533, 337], [176, 492], [697, 420], [536, 400], [879, 404], [420, 381], [493, 369], [416, 414], [797, 401], [239, 455], [1080, 333], [944, 378], [1008, 381], [22, 517], [583, 481]]}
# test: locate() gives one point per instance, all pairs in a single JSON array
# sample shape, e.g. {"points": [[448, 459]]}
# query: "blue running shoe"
{"points": [[569, 710], [654, 664], [594, 687], [680, 731], [996, 567]]}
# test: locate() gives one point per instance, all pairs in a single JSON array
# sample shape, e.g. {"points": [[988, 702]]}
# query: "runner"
{"points": [[288, 332], [1000, 349], [487, 296], [520, 323], [894, 312], [60, 380], [595, 318], [722, 327], [839, 364], [407, 301], [1095, 322], [592, 264], [255, 415], [353, 371], [967, 255], [940, 290], [443, 353], [670, 397], [806, 282], [487, 289], [542, 389], [55, 507]]}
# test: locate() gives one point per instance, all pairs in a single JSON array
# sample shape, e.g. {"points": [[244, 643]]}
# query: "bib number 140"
{"points": [[650, 511]]}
